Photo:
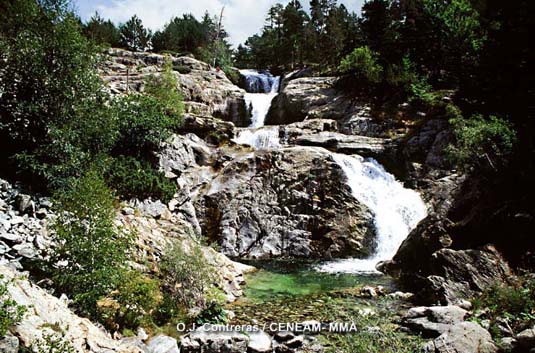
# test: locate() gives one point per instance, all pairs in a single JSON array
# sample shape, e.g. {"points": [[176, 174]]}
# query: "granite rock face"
{"points": [[290, 202], [206, 91]]}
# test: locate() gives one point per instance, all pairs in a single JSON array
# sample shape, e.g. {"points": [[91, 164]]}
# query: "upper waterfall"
{"points": [[259, 81], [397, 210], [258, 104]]}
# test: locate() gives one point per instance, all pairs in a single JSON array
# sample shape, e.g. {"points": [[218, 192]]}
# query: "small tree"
{"points": [[134, 35], [187, 276], [91, 252], [164, 88], [362, 63]]}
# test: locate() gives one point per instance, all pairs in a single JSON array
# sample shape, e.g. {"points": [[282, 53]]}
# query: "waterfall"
{"points": [[396, 210], [256, 135]]}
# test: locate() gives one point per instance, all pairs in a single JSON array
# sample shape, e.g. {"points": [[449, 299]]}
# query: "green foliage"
{"points": [[515, 304], [136, 298], [186, 275], [134, 36], [164, 89], [10, 312], [52, 343], [91, 251], [133, 178], [144, 123], [49, 88], [362, 64], [481, 143], [212, 314], [102, 32]]}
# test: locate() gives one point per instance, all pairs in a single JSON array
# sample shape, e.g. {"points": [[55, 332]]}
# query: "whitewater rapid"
{"points": [[396, 210]]}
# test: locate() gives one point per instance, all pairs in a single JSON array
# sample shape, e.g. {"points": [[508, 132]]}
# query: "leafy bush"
{"points": [[133, 178], [132, 303], [49, 87], [362, 63], [515, 304], [186, 275], [91, 251], [481, 142], [52, 343], [10, 312], [143, 124], [183, 69], [164, 89]]}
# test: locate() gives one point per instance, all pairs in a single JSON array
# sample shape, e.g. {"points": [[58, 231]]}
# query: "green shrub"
{"points": [[515, 304], [132, 303], [187, 276], [481, 143], [143, 125], [52, 343], [362, 64], [91, 250], [183, 69], [133, 178], [164, 88], [10, 312]]}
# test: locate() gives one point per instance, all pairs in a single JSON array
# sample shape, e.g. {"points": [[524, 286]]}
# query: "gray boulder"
{"points": [[162, 344], [464, 337], [433, 321]]}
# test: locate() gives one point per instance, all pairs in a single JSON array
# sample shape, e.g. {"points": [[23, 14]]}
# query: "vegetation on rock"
{"points": [[10, 312]]}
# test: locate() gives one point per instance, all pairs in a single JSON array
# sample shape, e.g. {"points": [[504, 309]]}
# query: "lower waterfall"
{"points": [[397, 210]]}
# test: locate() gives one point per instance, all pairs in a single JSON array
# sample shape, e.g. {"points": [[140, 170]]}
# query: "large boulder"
{"points": [[433, 321], [289, 202], [303, 98], [464, 337]]}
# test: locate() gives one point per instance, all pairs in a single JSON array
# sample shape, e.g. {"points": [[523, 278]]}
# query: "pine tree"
{"points": [[134, 35]]}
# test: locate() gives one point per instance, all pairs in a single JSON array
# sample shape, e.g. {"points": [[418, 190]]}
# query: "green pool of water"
{"points": [[279, 279], [282, 290]]}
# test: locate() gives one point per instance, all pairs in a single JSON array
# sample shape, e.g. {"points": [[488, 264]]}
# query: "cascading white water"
{"points": [[262, 138], [256, 135], [397, 211]]}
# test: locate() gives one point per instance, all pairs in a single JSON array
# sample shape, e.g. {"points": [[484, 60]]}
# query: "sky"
{"points": [[241, 18]]}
